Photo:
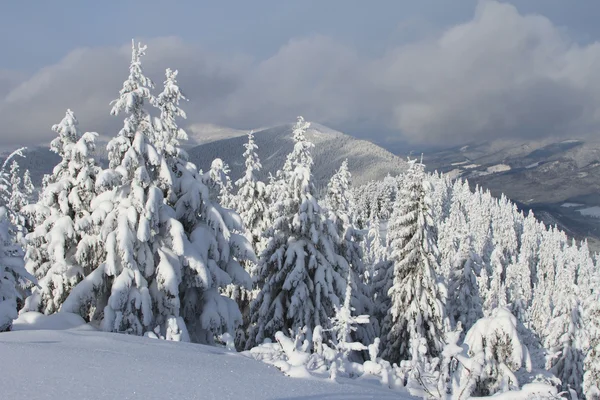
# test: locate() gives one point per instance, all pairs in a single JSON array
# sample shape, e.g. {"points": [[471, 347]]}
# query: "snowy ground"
{"points": [[40, 362]]}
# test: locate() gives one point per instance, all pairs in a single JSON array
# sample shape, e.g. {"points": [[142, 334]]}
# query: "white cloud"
{"points": [[501, 74]]}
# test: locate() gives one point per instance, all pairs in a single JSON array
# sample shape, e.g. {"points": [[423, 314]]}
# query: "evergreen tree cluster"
{"points": [[410, 266]]}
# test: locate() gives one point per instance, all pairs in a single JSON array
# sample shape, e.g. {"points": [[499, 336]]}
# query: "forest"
{"points": [[434, 288]]}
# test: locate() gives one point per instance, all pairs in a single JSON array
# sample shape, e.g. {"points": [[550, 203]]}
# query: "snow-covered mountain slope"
{"points": [[366, 160], [81, 363], [541, 175], [205, 133]]}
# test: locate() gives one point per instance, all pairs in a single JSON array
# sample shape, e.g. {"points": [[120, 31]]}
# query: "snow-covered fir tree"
{"points": [[464, 302], [565, 331], [219, 183], [28, 188], [11, 271], [374, 249], [417, 308], [298, 276], [168, 133], [591, 366], [344, 323], [251, 201], [348, 247], [51, 251], [495, 343]]}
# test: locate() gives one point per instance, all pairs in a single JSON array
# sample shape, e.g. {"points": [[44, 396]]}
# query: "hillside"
{"points": [[100, 365], [366, 160], [559, 180]]}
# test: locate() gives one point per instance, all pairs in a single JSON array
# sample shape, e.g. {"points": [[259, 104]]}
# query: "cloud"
{"points": [[500, 74]]}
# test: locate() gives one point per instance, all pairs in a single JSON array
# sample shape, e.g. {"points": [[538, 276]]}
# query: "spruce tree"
{"points": [[565, 331], [417, 301], [51, 251], [297, 275], [11, 271], [209, 236], [347, 246]]}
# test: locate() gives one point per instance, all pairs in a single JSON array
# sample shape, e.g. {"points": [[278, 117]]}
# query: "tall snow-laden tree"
{"points": [[11, 271], [565, 331], [347, 246], [18, 199], [251, 200], [51, 251], [297, 275], [167, 133], [130, 212], [5, 179], [417, 299], [521, 274], [375, 250], [17, 202], [28, 188], [251, 203], [219, 183], [591, 366], [464, 302]]}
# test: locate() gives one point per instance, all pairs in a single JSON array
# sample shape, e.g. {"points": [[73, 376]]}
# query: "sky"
{"points": [[428, 72]]}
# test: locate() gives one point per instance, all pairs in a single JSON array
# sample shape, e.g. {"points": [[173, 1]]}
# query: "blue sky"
{"points": [[346, 63]]}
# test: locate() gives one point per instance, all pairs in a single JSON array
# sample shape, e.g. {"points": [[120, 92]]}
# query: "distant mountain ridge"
{"points": [[366, 160], [539, 175]]}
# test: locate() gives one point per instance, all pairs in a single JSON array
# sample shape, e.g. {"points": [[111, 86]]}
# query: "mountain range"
{"points": [[558, 179], [366, 161]]}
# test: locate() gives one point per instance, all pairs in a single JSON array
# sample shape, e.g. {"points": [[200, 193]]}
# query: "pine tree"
{"points": [[417, 303], [251, 201], [131, 214], [5, 179], [591, 366], [28, 188], [11, 271], [219, 183], [209, 241], [17, 202], [51, 251], [347, 245], [168, 133], [464, 302], [495, 342], [344, 323], [374, 247], [300, 285], [565, 331]]}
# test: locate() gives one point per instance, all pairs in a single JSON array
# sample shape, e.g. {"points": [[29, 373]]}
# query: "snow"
{"points": [[471, 166], [498, 168], [494, 169], [571, 205], [79, 362], [34, 320], [590, 211], [460, 163]]}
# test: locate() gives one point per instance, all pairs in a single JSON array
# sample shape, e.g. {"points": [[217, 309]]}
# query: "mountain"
{"points": [[558, 179], [205, 133], [366, 160]]}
